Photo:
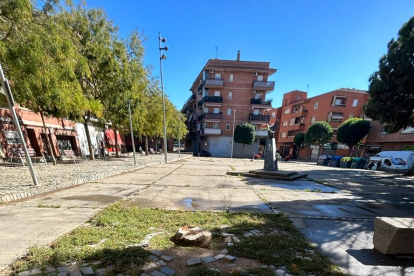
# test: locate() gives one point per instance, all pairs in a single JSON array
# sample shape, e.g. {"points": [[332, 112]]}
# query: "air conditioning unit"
{"points": [[211, 71], [255, 74]]}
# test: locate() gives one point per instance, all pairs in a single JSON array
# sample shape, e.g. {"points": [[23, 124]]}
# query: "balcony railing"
{"points": [[261, 101], [210, 116], [298, 126], [254, 117], [264, 85], [213, 82], [210, 99], [262, 133], [213, 131]]}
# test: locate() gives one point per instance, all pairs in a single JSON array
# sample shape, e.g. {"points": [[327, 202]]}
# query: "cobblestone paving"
{"points": [[16, 182]]}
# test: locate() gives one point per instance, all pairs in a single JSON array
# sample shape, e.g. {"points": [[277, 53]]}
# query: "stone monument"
{"points": [[270, 162]]}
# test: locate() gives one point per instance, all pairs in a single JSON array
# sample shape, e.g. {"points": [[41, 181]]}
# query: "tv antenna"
{"points": [[216, 51]]}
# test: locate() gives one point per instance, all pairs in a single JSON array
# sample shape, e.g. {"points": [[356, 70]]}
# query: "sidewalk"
{"points": [[16, 183]]}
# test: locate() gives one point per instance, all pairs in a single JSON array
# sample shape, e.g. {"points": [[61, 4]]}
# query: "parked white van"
{"points": [[407, 156], [387, 164]]}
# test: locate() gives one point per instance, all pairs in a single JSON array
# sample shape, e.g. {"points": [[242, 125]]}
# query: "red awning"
{"points": [[110, 137]]}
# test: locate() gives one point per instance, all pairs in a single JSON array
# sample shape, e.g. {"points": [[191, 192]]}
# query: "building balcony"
{"points": [[213, 83], [266, 103], [264, 85], [216, 116], [261, 118], [210, 99], [262, 133], [298, 126], [211, 131], [301, 113], [288, 139]]}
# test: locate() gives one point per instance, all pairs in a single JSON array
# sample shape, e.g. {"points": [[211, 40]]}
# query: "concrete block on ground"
{"points": [[394, 236]]}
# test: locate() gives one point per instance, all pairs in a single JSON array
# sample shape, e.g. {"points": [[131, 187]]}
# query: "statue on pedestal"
{"points": [[270, 163]]}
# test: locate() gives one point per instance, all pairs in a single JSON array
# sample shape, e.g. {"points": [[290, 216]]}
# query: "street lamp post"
{"points": [[163, 57], [132, 132], [6, 87], [179, 143], [234, 122]]}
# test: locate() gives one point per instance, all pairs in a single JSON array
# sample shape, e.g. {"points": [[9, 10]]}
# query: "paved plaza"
{"points": [[337, 216]]}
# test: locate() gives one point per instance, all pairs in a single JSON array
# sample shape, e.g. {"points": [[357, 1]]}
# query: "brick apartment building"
{"points": [[223, 92], [298, 113]]}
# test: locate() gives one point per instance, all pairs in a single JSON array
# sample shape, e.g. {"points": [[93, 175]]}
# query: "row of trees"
{"points": [[350, 133], [69, 61]]}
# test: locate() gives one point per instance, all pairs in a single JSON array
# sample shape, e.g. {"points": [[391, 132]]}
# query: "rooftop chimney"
{"points": [[238, 55]]}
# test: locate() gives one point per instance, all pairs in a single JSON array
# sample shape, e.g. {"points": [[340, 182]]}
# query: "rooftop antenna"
{"points": [[307, 88], [216, 51]]}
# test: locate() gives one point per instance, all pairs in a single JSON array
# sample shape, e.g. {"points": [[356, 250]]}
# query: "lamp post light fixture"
{"points": [[163, 57], [234, 122], [132, 132]]}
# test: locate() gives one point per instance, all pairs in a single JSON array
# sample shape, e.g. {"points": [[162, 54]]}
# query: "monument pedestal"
{"points": [[270, 163]]}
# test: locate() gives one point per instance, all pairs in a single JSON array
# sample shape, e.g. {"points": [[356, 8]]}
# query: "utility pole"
{"points": [[234, 122], [163, 57], [132, 132], [6, 87]]}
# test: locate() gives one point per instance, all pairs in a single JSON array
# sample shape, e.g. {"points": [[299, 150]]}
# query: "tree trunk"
{"points": [[146, 145], [48, 144], [116, 143], [350, 151], [241, 156], [88, 138], [320, 150]]}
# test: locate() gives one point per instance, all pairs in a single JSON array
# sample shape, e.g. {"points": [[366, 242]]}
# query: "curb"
{"points": [[21, 195]]}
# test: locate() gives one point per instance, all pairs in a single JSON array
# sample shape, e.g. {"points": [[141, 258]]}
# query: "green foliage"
{"points": [[352, 131], [334, 145], [319, 133], [299, 139], [391, 87], [245, 133]]}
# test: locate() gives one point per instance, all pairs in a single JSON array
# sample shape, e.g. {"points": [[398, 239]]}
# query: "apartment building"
{"points": [[225, 94], [299, 112]]}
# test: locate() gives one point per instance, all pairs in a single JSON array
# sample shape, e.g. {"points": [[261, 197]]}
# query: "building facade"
{"points": [[225, 94], [298, 113]]}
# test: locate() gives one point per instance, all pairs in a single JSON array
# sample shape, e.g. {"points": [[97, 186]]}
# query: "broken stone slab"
{"points": [[50, 270], [192, 236], [168, 271], [87, 271], [195, 261], [394, 236], [227, 234], [236, 239], [224, 251], [166, 258], [157, 273], [100, 271], [207, 259], [35, 271], [219, 256], [156, 252], [229, 258], [227, 239], [24, 273], [152, 258], [161, 263]]}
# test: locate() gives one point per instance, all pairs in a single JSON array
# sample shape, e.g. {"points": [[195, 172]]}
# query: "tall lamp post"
{"points": [[132, 132], [6, 87], [163, 57], [179, 143], [234, 122]]}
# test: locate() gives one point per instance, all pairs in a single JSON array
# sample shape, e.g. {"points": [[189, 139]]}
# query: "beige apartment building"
{"points": [[225, 94]]}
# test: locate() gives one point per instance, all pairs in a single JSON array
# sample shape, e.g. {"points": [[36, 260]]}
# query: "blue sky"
{"points": [[327, 44]]}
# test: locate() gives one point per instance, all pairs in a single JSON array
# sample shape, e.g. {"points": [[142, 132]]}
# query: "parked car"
{"points": [[387, 164], [407, 156], [204, 153]]}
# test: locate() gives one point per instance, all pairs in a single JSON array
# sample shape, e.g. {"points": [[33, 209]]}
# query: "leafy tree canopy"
{"points": [[299, 138], [319, 133], [245, 133], [352, 131], [391, 88]]}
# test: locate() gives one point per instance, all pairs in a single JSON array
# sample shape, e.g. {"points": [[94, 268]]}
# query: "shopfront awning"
{"points": [[110, 138]]}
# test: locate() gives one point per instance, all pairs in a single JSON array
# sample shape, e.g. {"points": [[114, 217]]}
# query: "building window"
{"points": [[216, 125], [256, 112], [355, 103], [274, 115], [228, 126], [283, 134], [315, 105], [313, 119], [216, 110], [217, 76], [205, 110], [339, 101], [351, 115], [336, 117], [287, 110], [230, 95], [216, 93], [231, 78], [285, 123], [292, 121], [229, 111], [259, 78]]}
